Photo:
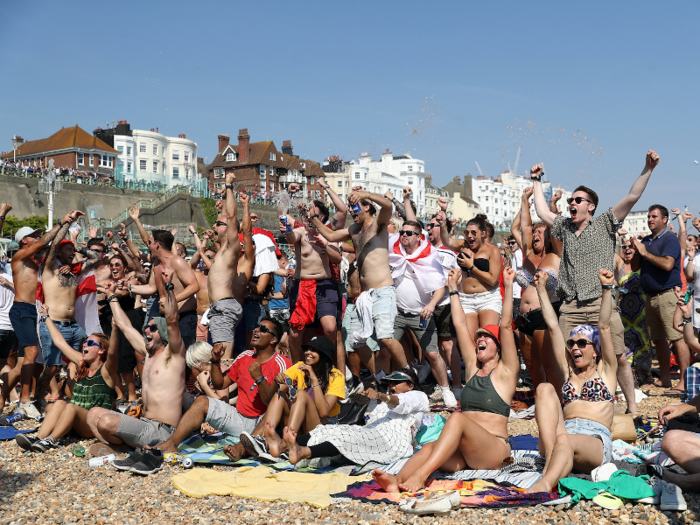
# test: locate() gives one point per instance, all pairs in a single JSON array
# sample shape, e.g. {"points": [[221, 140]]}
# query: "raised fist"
{"points": [[230, 178], [293, 188], [442, 202], [245, 199], [536, 170], [321, 181], [407, 192], [652, 159], [606, 277], [527, 193], [508, 274], [192, 230], [5, 209]]}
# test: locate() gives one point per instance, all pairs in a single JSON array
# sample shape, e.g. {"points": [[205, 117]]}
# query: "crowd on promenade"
{"points": [[30, 170], [142, 349]]}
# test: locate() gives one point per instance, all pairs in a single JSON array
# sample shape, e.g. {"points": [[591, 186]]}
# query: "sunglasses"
{"points": [[625, 246], [90, 343], [210, 256], [151, 328], [293, 387], [577, 200], [511, 243], [433, 225], [220, 223], [264, 329], [581, 343], [408, 232]]}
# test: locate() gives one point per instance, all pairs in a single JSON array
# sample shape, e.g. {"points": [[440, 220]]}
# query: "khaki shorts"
{"points": [[574, 313], [659, 316]]}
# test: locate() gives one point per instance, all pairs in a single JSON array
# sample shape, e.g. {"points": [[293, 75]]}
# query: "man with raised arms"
{"points": [[163, 382], [313, 294], [23, 314], [370, 238], [160, 245]]}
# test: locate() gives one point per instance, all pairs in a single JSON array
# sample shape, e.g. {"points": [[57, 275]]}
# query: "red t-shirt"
{"points": [[250, 404]]}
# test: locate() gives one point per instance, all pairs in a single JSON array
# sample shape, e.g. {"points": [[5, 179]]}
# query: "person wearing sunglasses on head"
{"points": [[632, 304], [95, 381], [307, 396], [577, 436], [588, 245]]}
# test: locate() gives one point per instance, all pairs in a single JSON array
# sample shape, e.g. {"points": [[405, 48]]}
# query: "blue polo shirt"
{"points": [[653, 278]]}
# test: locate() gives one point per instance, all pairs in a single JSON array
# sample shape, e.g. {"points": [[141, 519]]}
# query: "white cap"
{"points": [[25, 231]]}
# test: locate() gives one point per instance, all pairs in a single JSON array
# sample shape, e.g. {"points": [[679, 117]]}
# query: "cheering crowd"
{"points": [[140, 350]]}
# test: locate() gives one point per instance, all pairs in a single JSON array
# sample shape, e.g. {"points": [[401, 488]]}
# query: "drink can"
{"points": [[288, 227], [102, 460], [355, 208], [423, 324], [6, 421]]}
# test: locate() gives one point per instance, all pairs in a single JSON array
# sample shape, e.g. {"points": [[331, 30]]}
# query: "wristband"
{"points": [[60, 224], [215, 362], [229, 186], [686, 320], [109, 298], [607, 286], [536, 179], [44, 318], [2, 217], [454, 292], [257, 382], [169, 287]]}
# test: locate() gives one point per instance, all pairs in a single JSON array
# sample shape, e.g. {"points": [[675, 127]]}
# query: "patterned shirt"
{"points": [[584, 255]]}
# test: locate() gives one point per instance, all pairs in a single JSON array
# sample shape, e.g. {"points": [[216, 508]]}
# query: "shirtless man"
{"points": [[203, 259], [163, 377], [60, 286], [312, 294], [370, 238], [160, 245], [23, 314], [226, 311]]}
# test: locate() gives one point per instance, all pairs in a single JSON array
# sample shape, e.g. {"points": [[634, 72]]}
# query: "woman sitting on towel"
{"points": [[312, 401], [387, 436], [97, 375], [476, 438], [579, 437]]}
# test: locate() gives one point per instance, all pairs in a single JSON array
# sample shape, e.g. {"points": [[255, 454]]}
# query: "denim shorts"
{"points": [[73, 334], [473, 303], [586, 427], [384, 311]]}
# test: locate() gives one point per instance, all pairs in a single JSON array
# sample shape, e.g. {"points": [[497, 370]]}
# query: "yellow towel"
{"points": [[265, 484]]}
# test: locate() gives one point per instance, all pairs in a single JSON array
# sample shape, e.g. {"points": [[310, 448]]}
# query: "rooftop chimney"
{"points": [[223, 142], [243, 145], [182, 136], [157, 130], [122, 122], [287, 148], [429, 178], [387, 150], [457, 179]]}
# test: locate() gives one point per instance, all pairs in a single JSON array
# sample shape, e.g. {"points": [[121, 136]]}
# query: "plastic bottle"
{"points": [[78, 451], [102, 460]]}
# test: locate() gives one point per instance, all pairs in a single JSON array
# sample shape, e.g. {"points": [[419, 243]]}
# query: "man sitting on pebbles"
{"points": [[163, 386]]}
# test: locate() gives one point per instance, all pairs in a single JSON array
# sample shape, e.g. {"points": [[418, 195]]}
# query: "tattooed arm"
{"points": [[92, 259], [50, 263]]}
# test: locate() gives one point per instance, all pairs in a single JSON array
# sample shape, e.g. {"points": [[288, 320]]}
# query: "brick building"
{"points": [[69, 148], [260, 166]]}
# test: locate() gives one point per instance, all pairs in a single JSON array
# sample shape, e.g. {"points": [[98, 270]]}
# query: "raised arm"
{"points": [[464, 337], [607, 280], [541, 204], [622, 208], [690, 267], [553, 202], [67, 350], [509, 352], [91, 259], [232, 218], [385, 207], [400, 208], [341, 210], [550, 318], [50, 262], [4, 210], [134, 214], [176, 346], [109, 372], [526, 222], [123, 322], [449, 242], [516, 233], [683, 231], [330, 235], [408, 209]]}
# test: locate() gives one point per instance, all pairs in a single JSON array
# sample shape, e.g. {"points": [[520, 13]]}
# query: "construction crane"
{"points": [[517, 160], [479, 168]]}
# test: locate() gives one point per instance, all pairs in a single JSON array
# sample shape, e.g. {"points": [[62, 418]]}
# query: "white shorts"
{"points": [[473, 303]]}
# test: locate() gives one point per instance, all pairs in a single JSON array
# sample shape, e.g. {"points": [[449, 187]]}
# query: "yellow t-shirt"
{"points": [[336, 384]]}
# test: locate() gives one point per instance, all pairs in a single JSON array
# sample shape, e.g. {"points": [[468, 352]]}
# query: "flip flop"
{"points": [[674, 391], [608, 501], [657, 384]]}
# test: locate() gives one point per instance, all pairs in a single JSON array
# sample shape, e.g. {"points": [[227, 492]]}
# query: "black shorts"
{"points": [[8, 343], [529, 322], [443, 320], [24, 318]]}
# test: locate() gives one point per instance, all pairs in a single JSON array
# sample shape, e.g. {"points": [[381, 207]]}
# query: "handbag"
{"points": [[352, 413]]}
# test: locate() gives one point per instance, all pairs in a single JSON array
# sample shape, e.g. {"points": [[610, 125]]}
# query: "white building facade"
{"points": [[636, 223]]}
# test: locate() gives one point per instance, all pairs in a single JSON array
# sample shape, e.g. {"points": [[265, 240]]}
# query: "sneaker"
{"points": [[657, 486], [25, 441], [128, 462], [672, 497], [436, 395], [603, 472], [254, 445], [150, 463], [448, 397], [353, 387], [44, 445], [28, 410]]}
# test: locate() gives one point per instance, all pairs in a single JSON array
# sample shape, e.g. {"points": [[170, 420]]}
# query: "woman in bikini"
{"points": [[538, 254], [476, 438], [480, 294], [579, 436]]}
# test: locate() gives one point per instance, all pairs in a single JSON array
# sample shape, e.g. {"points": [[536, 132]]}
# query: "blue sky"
{"points": [[452, 83]]}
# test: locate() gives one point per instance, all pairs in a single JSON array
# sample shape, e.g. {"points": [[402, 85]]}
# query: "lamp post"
{"points": [[50, 186], [16, 143]]}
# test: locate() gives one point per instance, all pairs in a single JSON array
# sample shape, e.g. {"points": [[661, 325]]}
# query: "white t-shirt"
{"points": [[409, 298], [448, 259], [7, 297], [516, 263]]}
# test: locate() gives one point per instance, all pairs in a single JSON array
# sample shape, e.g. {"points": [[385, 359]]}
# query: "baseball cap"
{"points": [[25, 231], [322, 345], [490, 330]]}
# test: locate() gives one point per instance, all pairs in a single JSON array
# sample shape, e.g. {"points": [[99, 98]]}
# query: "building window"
{"points": [[340, 183], [128, 150], [303, 165], [410, 168], [311, 180], [121, 149], [128, 167], [176, 173], [81, 159], [142, 147], [142, 165], [357, 174], [273, 156], [217, 173], [487, 197], [155, 167], [420, 168], [230, 157], [91, 160], [187, 156], [263, 171], [410, 181], [176, 155]]}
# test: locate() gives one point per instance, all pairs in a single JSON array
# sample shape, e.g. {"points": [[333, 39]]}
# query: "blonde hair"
{"points": [[198, 354]]}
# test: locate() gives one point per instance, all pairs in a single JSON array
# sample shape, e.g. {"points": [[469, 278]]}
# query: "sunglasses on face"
{"points": [[151, 328], [210, 256], [90, 343], [220, 223], [625, 246], [264, 329], [408, 232], [577, 200], [581, 343], [511, 243], [433, 225]]}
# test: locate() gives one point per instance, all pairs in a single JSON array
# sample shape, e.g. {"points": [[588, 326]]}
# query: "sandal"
{"points": [[674, 391], [608, 501]]}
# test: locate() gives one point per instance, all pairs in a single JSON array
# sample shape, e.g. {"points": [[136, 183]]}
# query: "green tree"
{"points": [[12, 224], [209, 208]]}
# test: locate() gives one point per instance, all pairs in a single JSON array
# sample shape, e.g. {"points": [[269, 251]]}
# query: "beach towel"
{"points": [[264, 484], [10, 432], [646, 454], [305, 307], [524, 442]]}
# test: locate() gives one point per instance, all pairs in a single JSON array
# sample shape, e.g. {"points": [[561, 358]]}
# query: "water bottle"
{"points": [[102, 460], [6, 421]]}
